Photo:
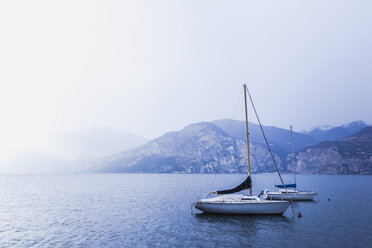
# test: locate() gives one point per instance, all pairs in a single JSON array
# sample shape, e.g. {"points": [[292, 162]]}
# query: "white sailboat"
{"points": [[228, 203], [288, 191], [241, 204]]}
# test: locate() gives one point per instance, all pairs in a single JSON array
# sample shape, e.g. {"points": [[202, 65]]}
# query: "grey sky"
{"points": [[149, 67]]}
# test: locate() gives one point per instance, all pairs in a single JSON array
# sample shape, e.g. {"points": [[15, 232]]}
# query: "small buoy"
{"points": [[299, 215], [329, 199]]}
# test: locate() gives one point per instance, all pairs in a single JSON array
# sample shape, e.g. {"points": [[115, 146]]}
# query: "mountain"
{"points": [[206, 147], [350, 155], [335, 133], [279, 138], [198, 148]]}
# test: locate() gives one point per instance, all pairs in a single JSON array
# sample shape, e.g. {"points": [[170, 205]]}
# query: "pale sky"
{"points": [[149, 67]]}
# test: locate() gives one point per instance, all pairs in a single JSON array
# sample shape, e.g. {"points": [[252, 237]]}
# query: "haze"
{"points": [[148, 67]]}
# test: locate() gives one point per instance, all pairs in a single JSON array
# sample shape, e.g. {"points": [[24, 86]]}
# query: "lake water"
{"points": [[131, 210]]}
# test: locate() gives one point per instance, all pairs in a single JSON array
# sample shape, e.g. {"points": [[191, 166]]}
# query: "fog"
{"points": [[148, 67]]}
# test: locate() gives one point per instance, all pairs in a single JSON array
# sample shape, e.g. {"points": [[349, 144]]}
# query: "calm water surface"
{"points": [[130, 210]]}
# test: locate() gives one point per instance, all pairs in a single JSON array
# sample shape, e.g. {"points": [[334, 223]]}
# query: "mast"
{"points": [[293, 165], [246, 126]]}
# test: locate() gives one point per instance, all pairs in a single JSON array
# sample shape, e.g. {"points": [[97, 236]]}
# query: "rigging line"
{"points": [[227, 129], [293, 165], [216, 169], [242, 130], [214, 176], [229, 126], [267, 143]]}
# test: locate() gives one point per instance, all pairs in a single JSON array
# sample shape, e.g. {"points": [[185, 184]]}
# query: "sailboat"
{"points": [[226, 202], [289, 191]]}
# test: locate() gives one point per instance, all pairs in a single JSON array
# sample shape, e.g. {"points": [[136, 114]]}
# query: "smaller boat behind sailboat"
{"points": [[288, 191], [290, 194]]}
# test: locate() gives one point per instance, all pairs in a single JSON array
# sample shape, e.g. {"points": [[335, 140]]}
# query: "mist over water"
{"points": [[142, 210]]}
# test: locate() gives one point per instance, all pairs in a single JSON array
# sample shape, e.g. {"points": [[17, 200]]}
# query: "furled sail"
{"points": [[244, 185]]}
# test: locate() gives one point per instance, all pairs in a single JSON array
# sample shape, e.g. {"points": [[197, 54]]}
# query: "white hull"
{"points": [[295, 196], [236, 204]]}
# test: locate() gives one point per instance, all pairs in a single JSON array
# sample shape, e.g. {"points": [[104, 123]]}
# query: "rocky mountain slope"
{"points": [[198, 148], [279, 138], [335, 133], [350, 155], [220, 147]]}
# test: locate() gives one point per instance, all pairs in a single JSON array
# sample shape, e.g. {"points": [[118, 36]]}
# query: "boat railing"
{"points": [[206, 196], [313, 190]]}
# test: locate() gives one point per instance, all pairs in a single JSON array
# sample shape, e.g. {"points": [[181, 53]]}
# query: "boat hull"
{"points": [[257, 208]]}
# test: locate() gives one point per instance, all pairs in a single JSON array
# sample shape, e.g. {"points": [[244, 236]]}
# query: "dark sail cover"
{"points": [[286, 186], [244, 185]]}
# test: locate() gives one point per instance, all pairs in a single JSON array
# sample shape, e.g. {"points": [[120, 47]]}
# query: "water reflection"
{"points": [[221, 218], [245, 230]]}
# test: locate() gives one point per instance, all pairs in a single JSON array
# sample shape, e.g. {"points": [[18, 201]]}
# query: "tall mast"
{"points": [[293, 165], [246, 126]]}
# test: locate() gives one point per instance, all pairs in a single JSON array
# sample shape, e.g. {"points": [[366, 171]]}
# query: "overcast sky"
{"points": [[149, 67]]}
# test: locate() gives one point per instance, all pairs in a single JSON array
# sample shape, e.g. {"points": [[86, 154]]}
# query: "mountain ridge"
{"points": [[208, 147], [197, 148], [334, 133], [279, 138], [349, 155]]}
